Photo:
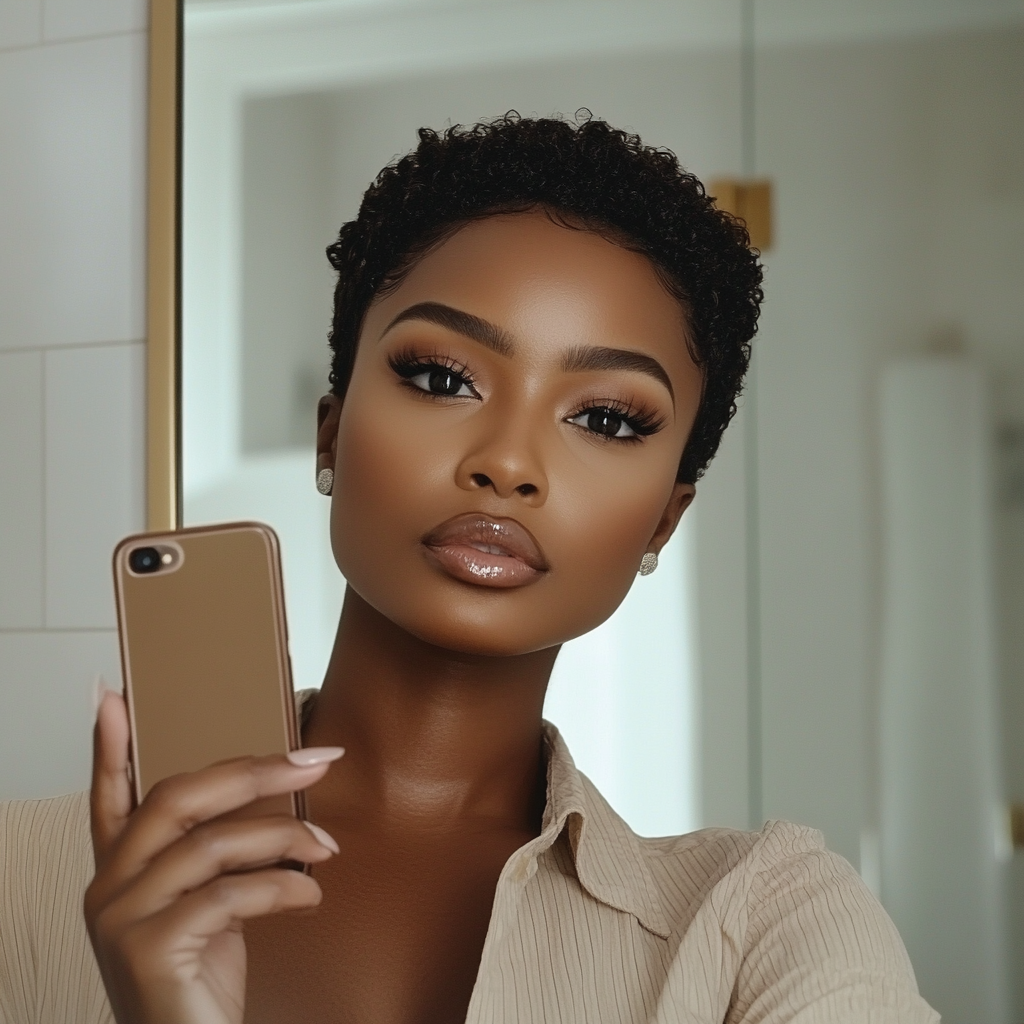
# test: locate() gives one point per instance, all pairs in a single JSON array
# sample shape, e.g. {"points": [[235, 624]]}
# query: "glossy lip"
{"points": [[486, 551]]}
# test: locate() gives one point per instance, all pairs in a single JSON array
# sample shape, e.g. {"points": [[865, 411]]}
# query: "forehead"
{"points": [[549, 286]]}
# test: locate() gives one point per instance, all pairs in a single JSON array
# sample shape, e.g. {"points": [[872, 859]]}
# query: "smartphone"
{"points": [[204, 650]]}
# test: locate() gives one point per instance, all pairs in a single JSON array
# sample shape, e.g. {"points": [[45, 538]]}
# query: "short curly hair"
{"points": [[585, 173]]}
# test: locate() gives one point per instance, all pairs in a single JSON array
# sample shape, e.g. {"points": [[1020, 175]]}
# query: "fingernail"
{"points": [[99, 688], [306, 757], [322, 837]]}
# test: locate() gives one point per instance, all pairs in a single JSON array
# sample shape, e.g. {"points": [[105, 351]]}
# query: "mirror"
{"points": [[835, 636]]}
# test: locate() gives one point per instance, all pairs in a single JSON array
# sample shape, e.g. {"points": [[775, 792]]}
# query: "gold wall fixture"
{"points": [[163, 325], [1017, 826], [749, 199]]}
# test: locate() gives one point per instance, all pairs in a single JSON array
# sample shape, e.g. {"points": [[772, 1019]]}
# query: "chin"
{"points": [[498, 630], [477, 639]]}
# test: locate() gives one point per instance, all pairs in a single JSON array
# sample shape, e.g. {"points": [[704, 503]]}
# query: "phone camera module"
{"points": [[143, 560]]}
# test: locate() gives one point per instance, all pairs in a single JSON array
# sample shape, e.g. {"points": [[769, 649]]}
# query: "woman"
{"points": [[540, 331]]}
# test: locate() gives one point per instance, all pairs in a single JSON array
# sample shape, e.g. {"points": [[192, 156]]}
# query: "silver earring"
{"points": [[325, 481], [648, 563]]}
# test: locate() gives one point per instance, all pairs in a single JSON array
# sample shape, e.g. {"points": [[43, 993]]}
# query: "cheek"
{"points": [[605, 525], [394, 479], [385, 467]]}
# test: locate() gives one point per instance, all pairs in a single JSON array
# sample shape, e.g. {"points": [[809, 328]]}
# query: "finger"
{"points": [[178, 804], [214, 849], [111, 795], [222, 903]]}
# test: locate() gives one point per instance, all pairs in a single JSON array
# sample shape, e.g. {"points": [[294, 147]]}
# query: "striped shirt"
{"points": [[590, 923]]}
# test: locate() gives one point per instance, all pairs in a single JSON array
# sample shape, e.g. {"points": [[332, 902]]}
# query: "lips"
{"points": [[489, 552]]}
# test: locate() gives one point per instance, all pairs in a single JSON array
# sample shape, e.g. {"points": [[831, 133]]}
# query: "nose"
{"points": [[507, 462]]}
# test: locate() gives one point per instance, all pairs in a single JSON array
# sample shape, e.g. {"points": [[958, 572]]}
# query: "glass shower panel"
{"points": [[891, 591]]}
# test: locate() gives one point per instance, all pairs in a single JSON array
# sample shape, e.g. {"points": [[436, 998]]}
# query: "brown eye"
{"points": [[440, 381], [444, 382], [605, 423]]}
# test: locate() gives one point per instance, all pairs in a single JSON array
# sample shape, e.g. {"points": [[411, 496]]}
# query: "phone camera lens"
{"points": [[144, 560]]}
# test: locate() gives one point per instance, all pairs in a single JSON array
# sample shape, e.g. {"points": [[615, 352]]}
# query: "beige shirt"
{"points": [[590, 923]]}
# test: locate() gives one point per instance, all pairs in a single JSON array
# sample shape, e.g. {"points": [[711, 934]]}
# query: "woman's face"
{"points": [[507, 449]]}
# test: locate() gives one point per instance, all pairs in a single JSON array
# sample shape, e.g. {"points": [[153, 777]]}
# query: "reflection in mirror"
{"points": [[834, 636]]}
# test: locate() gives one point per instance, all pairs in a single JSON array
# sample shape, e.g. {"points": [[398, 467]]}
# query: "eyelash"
{"points": [[407, 366], [642, 422]]}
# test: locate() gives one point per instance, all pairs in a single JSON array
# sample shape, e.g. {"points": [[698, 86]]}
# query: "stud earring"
{"points": [[325, 481], [648, 563]]}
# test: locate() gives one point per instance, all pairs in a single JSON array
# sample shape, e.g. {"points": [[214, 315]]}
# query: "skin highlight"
{"points": [[466, 436]]}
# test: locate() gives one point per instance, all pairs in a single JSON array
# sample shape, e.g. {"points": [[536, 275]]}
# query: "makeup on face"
{"points": [[486, 551], [508, 445], [443, 376]]}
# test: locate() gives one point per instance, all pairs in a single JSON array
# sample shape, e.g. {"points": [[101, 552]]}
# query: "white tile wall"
{"points": [[21, 23], [46, 727], [68, 19], [72, 259], [21, 489], [72, 192], [95, 465]]}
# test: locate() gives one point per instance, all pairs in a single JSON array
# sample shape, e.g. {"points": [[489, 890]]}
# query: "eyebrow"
{"points": [[578, 359], [581, 358], [460, 322]]}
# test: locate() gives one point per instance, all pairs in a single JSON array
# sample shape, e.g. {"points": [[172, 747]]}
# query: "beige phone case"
{"points": [[204, 649]]}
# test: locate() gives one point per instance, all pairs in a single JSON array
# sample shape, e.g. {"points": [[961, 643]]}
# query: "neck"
{"points": [[430, 734]]}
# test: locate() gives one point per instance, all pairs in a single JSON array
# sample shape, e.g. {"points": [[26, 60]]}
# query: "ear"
{"points": [[328, 415], [678, 503]]}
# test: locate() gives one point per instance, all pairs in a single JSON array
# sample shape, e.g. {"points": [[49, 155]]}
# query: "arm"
{"points": [[818, 946]]}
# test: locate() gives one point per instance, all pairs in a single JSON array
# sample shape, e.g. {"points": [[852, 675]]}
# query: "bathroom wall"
{"points": [[72, 353]]}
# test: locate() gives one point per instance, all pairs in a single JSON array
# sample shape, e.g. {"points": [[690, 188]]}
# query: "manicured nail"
{"points": [[306, 757], [322, 837], [99, 689]]}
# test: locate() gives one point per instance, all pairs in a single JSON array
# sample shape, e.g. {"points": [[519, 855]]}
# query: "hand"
{"points": [[174, 882]]}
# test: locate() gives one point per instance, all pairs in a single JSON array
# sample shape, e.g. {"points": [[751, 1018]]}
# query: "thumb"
{"points": [[111, 797]]}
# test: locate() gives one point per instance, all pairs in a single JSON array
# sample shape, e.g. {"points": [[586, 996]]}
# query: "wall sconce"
{"points": [[1017, 826], [749, 199]]}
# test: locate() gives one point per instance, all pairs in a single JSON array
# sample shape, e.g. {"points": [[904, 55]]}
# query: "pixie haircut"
{"points": [[585, 174]]}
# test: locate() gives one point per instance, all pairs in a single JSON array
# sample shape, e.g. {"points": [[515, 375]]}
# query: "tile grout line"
{"points": [[46, 511], [47, 630], [44, 43], [72, 346]]}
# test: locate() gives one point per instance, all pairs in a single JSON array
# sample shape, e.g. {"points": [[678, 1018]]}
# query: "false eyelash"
{"points": [[408, 365], [642, 421]]}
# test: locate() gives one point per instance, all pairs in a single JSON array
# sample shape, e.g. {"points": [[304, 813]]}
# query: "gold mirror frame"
{"points": [[163, 273]]}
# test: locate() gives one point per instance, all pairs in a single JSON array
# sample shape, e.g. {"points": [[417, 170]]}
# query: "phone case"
{"points": [[204, 650]]}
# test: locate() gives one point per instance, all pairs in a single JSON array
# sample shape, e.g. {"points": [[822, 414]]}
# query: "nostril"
{"points": [[526, 490], [481, 479]]}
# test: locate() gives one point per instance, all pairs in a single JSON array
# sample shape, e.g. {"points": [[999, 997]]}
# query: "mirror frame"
{"points": [[163, 271]]}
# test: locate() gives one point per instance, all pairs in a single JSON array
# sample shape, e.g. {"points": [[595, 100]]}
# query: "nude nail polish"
{"points": [[322, 837], [306, 757], [99, 688]]}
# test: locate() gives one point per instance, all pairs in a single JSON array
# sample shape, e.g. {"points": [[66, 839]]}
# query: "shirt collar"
{"points": [[610, 861]]}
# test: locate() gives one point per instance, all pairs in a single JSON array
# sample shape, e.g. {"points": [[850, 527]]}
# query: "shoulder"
{"points": [[46, 964], [23, 821], [789, 922], [751, 861], [748, 871], [46, 842]]}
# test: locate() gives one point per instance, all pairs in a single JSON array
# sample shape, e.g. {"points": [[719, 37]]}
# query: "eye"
{"points": [[605, 422], [439, 380], [434, 375], [613, 420]]}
